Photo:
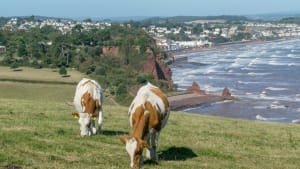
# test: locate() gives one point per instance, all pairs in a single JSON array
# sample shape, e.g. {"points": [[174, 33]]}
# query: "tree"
{"points": [[63, 70], [22, 49], [88, 20], [77, 28], [197, 29]]}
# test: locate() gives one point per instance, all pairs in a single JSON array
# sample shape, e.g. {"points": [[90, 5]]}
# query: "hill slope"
{"points": [[37, 131]]}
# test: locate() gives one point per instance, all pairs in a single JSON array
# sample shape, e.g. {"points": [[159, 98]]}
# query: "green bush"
{"points": [[62, 70], [144, 78], [14, 65]]}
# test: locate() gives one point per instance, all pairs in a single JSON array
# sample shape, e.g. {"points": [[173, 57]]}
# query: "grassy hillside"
{"points": [[37, 131]]}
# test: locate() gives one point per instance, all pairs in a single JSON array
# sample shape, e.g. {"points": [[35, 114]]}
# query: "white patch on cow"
{"points": [[84, 121], [131, 146]]}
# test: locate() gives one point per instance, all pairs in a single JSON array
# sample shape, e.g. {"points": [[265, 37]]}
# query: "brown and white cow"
{"points": [[148, 114], [88, 103]]}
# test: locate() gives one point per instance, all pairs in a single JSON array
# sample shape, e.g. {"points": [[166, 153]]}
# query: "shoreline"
{"points": [[222, 46]]}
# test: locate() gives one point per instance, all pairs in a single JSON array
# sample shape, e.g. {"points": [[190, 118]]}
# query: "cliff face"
{"points": [[158, 70]]}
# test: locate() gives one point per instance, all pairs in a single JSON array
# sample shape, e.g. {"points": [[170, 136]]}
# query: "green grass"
{"points": [[27, 74], [38, 131]]}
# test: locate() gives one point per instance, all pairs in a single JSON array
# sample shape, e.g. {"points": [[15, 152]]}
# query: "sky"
{"points": [[129, 8]]}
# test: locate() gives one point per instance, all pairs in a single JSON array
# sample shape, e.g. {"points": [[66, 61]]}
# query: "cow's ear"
{"points": [[75, 115], [124, 139]]}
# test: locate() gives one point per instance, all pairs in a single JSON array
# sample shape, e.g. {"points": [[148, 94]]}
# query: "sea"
{"points": [[264, 76]]}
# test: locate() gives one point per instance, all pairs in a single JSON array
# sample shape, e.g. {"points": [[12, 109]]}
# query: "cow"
{"points": [[88, 104], [148, 114]]}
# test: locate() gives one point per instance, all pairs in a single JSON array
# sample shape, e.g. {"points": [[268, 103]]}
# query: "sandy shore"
{"points": [[189, 100], [223, 46]]}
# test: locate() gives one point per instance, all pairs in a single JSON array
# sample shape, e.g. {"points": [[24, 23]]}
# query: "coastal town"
{"points": [[193, 34]]}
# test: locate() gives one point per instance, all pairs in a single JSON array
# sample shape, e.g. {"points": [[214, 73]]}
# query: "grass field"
{"points": [[37, 131], [39, 75]]}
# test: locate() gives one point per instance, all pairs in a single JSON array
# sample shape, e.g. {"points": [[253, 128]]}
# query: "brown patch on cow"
{"points": [[164, 98], [138, 122], [88, 102], [144, 118], [139, 151], [97, 104], [154, 120], [123, 139]]}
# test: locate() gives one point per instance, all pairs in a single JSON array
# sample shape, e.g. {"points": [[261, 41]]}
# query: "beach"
{"points": [[190, 100], [261, 74]]}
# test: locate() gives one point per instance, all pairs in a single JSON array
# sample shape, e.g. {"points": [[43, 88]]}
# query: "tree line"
{"points": [[82, 50]]}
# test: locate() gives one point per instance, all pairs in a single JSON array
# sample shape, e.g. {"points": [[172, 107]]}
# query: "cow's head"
{"points": [[84, 119], [134, 147]]}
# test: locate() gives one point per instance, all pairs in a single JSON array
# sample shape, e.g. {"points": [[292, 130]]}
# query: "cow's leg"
{"points": [[100, 119], [148, 150], [153, 141], [93, 128]]}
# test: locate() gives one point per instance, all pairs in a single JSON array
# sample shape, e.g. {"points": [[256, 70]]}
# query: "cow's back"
{"points": [[87, 86], [150, 94]]}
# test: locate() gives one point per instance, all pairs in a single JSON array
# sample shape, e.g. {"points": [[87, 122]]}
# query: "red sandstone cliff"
{"points": [[159, 70]]}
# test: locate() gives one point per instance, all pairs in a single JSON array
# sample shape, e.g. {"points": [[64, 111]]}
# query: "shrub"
{"points": [[14, 65], [62, 70], [144, 78]]}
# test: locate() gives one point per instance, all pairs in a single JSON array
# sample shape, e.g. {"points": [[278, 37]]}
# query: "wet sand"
{"points": [[189, 100]]}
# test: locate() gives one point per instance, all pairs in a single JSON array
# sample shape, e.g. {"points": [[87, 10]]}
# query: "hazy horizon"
{"points": [[136, 8]]}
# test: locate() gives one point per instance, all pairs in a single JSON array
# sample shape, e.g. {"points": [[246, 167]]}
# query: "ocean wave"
{"points": [[259, 117], [210, 70], [296, 121], [240, 62], [244, 82], [276, 88], [258, 74], [263, 95], [259, 107], [276, 63], [292, 56], [210, 88], [274, 106], [255, 62]]}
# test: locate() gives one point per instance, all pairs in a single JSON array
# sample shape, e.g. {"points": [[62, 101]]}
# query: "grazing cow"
{"points": [[148, 114], [88, 103]]}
